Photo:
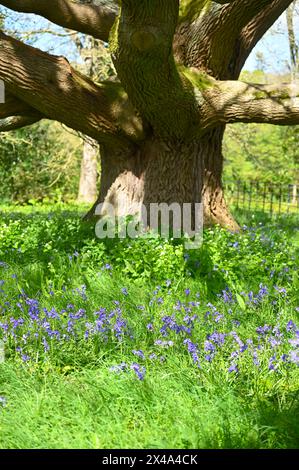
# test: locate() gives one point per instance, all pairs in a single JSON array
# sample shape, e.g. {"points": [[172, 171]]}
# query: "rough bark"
{"points": [[52, 87], [158, 172], [16, 122], [215, 209], [293, 43]]}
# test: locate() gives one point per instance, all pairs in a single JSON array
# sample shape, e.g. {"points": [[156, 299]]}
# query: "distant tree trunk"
{"points": [[88, 177], [295, 195], [293, 44]]}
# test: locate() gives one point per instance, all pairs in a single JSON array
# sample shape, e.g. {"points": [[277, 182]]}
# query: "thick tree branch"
{"points": [[256, 28], [16, 122], [89, 19], [52, 87], [234, 101], [238, 24], [14, 107]]}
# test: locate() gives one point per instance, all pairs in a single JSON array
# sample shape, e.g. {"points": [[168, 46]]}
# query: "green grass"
{"points": [[65, 395]]}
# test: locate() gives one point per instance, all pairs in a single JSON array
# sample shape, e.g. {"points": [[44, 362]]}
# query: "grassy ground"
{"points": [[140, 344]]}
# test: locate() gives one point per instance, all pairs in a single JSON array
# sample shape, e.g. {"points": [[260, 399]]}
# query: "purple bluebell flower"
{"points": [[46, 345], [227, 296], [153, 356], [262, 330], [291, 326], [284, 357], [294, 357], [233, 368], [281, 290], [217, 338], [139, 353], [256, 361], [274, 342], [125, 291], [272, 365], [25, 358], [139, 371], [263, 291], [209, 347], [294, 342], [120, 367]]}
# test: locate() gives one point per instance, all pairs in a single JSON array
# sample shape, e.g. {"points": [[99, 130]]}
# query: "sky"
{"points": [[273, 47]]}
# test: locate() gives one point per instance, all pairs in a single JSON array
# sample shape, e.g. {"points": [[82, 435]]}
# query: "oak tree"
{"points": [[161, 124]]}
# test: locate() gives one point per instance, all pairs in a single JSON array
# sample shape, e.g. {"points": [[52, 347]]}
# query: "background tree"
{"points": [[97, 65], [161, 126]]}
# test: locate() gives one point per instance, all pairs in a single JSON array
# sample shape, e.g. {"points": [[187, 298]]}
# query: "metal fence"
{"points": [[267, 197]]}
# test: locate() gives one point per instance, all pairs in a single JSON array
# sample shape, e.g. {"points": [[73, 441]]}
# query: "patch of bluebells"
{"points": [[210, 337], [51, 328]]}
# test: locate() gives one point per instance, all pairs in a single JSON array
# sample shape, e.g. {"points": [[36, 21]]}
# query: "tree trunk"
{"points": [[215, 207], [166, 172], [88, 177], [295, 195]]}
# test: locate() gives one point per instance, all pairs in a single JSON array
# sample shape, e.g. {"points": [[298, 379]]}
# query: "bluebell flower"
{"points": [[46, 345], [25, 358], [209, 346], [139, 371], [291, 326], [120, 367], [263, 291], [272, 365], [209, 357], [125, 291], [294, 342], [153, 356], [191, 346], [139, 353], [262, 330], [256, 361], [233, 368]]}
